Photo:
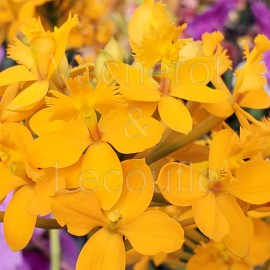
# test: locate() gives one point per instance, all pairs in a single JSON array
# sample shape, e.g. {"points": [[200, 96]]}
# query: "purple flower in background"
{"points": [[37, 254], [266, 57], [2, 53], [38, 251], [261, 15], [211, 20], [10, 260]]}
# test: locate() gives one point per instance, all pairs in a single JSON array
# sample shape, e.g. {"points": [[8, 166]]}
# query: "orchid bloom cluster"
{"points": [[138, 157]]}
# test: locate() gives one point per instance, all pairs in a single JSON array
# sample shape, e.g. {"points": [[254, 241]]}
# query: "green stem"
{"points": [[43, 223], [55, 249], [187, 222], [167, 147]]}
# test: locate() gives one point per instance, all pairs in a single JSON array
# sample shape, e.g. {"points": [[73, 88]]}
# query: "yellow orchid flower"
{"points": [[151, 25], [210, 47], [83, 100], [259, 134], [65, 143], [32, 188], [13, 14], [186, 80], [149, 232], [40, 60], [215, 255], [249, 86], [141, 262], [213, 192], [64, 147], [212, 256], [253, 142]]}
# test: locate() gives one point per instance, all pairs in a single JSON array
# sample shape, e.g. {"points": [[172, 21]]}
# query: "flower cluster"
{"points": [[135, 154]]}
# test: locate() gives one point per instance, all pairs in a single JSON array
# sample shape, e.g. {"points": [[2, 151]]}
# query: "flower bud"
{"points": [[100, 68], [114, 49]]}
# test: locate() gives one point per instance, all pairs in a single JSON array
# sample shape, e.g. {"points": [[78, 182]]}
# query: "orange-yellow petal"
{"points": [[19, 224], [61, 36], [175, 114], [102, 173], [221, 109], [159, 258], [8, 181], [142, 264], [207, 257], [16, 74], [190, 81], [256, 99], [132, 132], [220, 149], [107, 97], [104, 250], [59, 149], [11, 116], [251, 182], [198, 93], [30, 97], [237, 240], [181, 184], [79, 210], [17, 133], [21, 53], [71, 174], [137, 191], [259, 248], [135, 83], [147, 108], [40, 122], [195, 71], [61, 106], [133, 256], [249, 76], [209, 218], [41, 203], [154, 232]]}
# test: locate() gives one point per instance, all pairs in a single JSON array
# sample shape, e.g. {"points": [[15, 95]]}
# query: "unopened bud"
{"points": [[114, 49], [100, 67]]}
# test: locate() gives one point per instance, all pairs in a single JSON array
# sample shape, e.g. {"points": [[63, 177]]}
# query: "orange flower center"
{"points": [[216, 180]]}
